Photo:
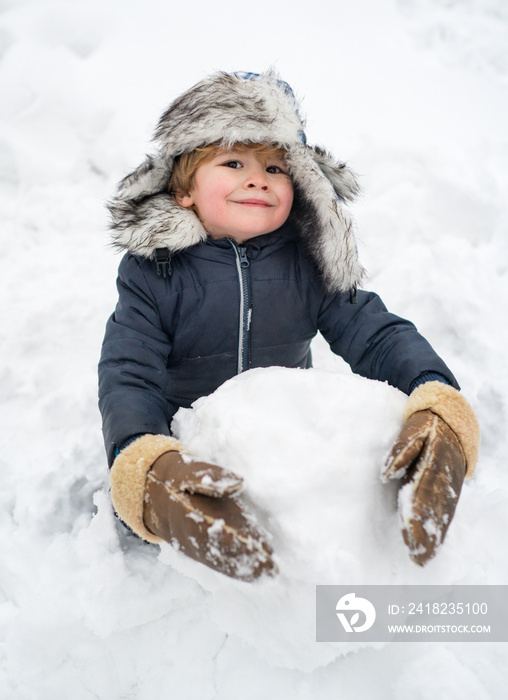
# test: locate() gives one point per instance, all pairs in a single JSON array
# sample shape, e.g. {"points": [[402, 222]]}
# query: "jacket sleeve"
{"points": [[376, 343], [132, 367]]}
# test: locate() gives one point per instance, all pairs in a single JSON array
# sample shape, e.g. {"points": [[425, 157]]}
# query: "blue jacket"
{"points": [[226, 308]]}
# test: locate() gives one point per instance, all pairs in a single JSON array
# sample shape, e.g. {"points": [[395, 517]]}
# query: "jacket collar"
{"points": [[258, 243]]}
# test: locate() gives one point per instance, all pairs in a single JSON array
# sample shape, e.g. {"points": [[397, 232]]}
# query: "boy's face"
{"points": [[240, 194]]}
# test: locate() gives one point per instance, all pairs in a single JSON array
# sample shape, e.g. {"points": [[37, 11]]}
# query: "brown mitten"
{"points": [[192, 505], [436, 448]]}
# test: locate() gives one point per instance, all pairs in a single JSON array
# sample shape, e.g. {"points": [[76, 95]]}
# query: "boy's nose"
{"points": [[256, 179], [261, 186]]}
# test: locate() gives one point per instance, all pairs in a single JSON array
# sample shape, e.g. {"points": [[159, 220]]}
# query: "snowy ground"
{"points": [[413, 93]]}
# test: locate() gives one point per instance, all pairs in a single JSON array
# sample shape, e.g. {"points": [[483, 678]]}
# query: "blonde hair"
{"points": [[186, 165]]}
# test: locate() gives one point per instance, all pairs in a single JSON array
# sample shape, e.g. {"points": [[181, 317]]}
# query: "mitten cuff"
{"points": [[128, 479], [452, 407]]}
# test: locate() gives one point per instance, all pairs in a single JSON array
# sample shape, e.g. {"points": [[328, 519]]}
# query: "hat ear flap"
{"points": [[144, 216], [151, 177], [342, 178], [326, 228]]}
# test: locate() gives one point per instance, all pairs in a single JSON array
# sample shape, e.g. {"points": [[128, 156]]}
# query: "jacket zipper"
{"points": [[242, 266]]}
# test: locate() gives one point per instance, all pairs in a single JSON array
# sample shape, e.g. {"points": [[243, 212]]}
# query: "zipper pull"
{"points": [[244, 261]]}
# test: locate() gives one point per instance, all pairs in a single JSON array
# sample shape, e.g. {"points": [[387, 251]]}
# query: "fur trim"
{"points": [[128, 479], [226, 109], [452, 407], [326, 228]]}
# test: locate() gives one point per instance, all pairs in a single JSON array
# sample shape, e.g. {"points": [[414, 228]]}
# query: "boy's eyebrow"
{"points": [[234, 152]]}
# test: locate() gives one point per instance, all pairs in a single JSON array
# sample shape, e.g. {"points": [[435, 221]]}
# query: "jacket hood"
{"points": [[228, 108]]}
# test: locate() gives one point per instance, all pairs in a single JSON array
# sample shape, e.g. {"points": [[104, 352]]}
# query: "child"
{"points": [[239, 250]]}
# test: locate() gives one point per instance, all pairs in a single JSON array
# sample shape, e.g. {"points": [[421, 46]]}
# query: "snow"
{"points": [[412, 93]]}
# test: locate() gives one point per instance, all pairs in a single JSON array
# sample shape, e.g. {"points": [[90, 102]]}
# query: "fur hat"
{"points": [[227, 108]]}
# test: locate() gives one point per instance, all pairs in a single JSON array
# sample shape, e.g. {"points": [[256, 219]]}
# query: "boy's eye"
{"points": [[274, 169], [237, 164]]}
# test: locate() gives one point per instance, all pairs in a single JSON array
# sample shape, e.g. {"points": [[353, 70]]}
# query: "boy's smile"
{"points": [[241, 194]]}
